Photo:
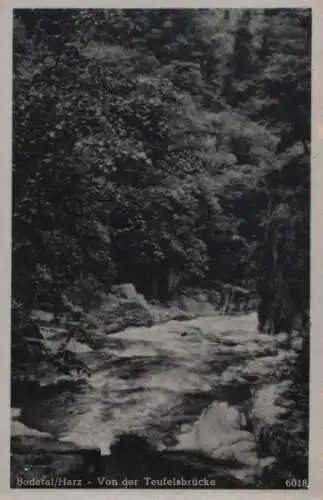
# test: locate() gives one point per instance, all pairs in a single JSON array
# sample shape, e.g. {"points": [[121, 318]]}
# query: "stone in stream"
{"points": [[124, 308], [191, 331], [20, 429], [220, 433], [38, 456], [15, 413]]}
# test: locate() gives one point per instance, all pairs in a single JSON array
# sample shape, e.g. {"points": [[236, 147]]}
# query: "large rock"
{"points": [[197, 302], [221, 433], [124, 308], [133, 313], [197, 305], [27, 389], [20, 429], [37, 456], [127, 291], [15, 413]]}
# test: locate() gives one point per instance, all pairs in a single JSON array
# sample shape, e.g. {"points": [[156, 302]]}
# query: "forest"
{"points": [[163, 148], [149, 144]]}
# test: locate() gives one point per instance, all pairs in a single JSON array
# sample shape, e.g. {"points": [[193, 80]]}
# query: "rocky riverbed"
{"points": [[182, 399]]}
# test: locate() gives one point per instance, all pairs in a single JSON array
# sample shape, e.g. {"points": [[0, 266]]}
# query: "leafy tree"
{"points": [[150, 144]]}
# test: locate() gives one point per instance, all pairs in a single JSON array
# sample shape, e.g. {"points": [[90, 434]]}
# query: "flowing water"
{"points": [[155, 382]]}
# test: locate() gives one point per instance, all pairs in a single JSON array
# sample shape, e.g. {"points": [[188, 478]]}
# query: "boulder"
{"points": [[134, 313], [124, 308], [198, 304], [165, 314], [126, 291], [15, 413], [32, 330], [38, 455], [41, 316], [221, 433], [20, 429]]}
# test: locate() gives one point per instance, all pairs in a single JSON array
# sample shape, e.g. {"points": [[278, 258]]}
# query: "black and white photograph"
{"points": [[160, 291]]}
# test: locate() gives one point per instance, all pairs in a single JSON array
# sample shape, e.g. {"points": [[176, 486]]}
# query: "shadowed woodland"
{"points": [[162, 148]]}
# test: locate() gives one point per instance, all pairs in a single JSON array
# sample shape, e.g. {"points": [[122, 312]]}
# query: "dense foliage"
{"points": [[145, 142], [167, 148]]}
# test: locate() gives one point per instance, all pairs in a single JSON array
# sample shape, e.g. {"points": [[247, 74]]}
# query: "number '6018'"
{"points": [[296, 483]]}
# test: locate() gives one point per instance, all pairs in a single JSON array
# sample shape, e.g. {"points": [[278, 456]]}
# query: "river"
{"points": [[155, 386]]}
